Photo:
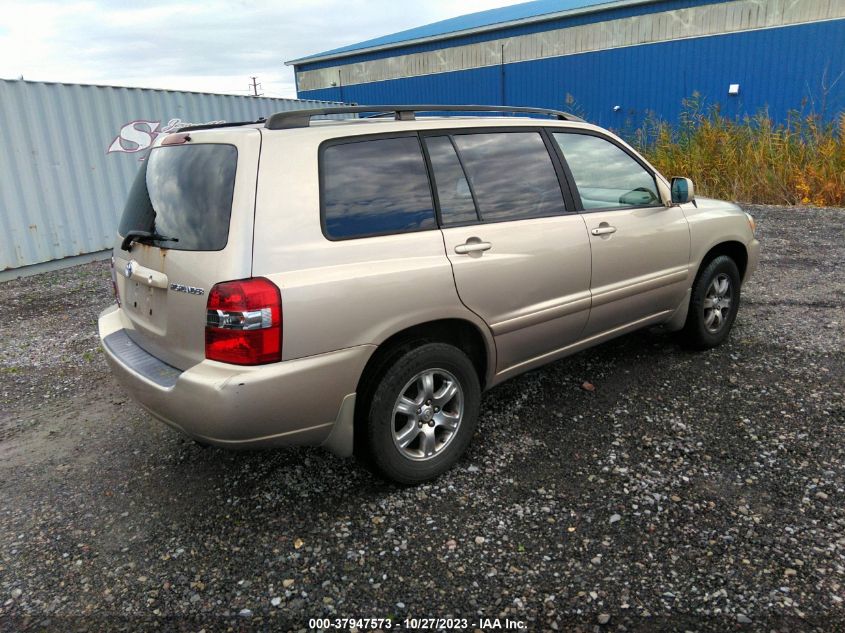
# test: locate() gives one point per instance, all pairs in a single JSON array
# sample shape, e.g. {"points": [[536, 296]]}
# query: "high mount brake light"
{"points": [[176, 139], [244, 322]]}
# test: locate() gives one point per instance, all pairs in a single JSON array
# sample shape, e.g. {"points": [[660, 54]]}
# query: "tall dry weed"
{"points": [[800, 161]]}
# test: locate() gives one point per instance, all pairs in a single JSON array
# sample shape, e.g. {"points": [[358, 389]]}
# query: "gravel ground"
{"points": [[687, 492]]}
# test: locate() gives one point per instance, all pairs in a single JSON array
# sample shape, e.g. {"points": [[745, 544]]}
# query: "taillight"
{"points": [[244, 322], [114, 283]]}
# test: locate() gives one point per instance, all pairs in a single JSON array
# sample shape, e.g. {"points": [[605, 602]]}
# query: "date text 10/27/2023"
{"points": [[417, 624]]}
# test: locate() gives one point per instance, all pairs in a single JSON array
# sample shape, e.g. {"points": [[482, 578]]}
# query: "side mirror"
{"points": [[682, 191]]}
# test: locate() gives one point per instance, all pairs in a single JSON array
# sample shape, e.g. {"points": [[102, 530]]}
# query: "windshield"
{"points": [[184, 192]]}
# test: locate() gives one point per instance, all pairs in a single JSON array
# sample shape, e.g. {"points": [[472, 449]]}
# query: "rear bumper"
{"points": [[301, 401]]}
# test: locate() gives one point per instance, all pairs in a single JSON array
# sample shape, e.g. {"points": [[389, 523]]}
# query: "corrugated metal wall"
{"points": [[797, 65], [663, 26], [69, 152], [598, 14], [781, 69]]}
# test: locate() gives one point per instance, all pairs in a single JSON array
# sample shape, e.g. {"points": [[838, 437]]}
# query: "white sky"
{"points": [[211, 46]]}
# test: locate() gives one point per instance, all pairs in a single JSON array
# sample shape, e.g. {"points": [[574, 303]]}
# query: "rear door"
{"points": [[199, 196], [640, 247], [520, 257]]}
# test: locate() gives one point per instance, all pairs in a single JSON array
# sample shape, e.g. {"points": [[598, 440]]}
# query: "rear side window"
{"points": [[453, 192], [511, 175], [184, 192], [606, 176], [375, 187]]}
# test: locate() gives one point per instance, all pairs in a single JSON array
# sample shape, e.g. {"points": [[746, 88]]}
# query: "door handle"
{"points": [[473, 245], [604, 230]]}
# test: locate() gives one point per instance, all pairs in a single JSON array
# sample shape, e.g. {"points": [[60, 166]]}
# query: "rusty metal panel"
{"points": [[69, 152]]}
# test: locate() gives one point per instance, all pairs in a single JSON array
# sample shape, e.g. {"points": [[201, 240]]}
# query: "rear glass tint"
{"points": [[184, 192], [453, 193], [511, 175], [375, 187]]}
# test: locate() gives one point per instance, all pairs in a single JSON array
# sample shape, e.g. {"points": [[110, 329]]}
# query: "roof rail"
{"points": [[302, 118], [211, 126]]}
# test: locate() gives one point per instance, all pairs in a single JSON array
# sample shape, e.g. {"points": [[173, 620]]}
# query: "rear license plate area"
{"points": [[147, 304]]}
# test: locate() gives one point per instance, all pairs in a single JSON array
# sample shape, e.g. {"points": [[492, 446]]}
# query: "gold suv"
{"points": [[357, 283]]}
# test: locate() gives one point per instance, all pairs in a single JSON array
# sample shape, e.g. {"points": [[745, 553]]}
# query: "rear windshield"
{"points": [[184, 192]]}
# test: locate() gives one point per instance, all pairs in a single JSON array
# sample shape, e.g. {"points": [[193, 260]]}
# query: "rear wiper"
{"points": [[143, 236]]}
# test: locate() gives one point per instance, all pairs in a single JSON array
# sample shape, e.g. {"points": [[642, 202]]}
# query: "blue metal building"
{"points": [[609, 61]]}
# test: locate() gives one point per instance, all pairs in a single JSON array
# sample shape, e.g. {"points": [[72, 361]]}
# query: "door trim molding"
{"points": [[568, 350], [615, 292], [570, 305]]}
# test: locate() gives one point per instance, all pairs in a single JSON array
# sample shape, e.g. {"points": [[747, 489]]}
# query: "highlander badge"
{"points": [[191, 290]]}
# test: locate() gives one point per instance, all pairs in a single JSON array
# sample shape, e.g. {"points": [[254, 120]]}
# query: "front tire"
{"points": [[713, 305], [423, 413]]}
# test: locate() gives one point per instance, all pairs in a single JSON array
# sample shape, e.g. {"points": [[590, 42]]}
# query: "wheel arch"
{"points": [[695, 333], [736, 250], [462, 333]]}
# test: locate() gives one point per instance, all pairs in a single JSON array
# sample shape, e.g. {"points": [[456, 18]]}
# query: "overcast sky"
{"points": [[209, 46]]}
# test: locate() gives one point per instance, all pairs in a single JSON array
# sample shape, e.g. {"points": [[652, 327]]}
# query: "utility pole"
{"points": [[254, 85]]}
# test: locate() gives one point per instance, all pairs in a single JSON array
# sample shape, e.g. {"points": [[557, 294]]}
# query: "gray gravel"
{"points": [[685, 492]]}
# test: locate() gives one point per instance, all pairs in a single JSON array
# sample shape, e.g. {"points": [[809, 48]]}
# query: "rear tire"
{"points": [[714, 304], [422, 413]]}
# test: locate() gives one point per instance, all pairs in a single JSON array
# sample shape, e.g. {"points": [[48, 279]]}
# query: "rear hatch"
{"points": [[197, 199]]}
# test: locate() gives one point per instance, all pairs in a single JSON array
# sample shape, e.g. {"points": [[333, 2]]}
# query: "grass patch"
{"points": [[753, 159]]}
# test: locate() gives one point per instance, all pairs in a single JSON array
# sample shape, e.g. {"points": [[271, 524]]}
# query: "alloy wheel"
{"points": [[427, 414], [717, 303]]}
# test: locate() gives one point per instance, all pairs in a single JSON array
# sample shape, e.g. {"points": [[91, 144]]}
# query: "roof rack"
{"points": [[302, 118]]}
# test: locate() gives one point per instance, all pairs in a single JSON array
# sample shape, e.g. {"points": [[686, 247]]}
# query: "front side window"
{"points": [[375, 187], [606, 176], [511, 175]]}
